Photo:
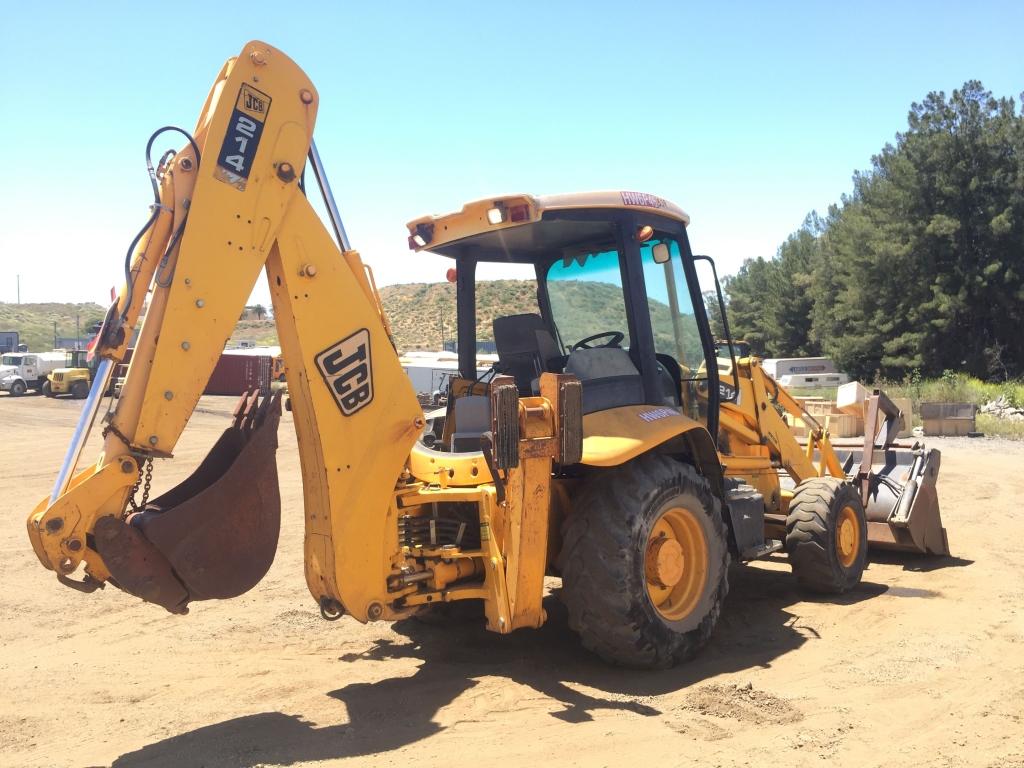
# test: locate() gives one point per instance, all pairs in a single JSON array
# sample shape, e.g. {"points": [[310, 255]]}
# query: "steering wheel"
{"points": [[614, 339]]}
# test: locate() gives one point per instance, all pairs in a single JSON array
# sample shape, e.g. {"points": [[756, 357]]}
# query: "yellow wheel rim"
{"points": [[847, 537], [676, 563]]}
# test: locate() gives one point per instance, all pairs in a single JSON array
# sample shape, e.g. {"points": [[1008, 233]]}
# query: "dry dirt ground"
{"points": [[923, 665]]}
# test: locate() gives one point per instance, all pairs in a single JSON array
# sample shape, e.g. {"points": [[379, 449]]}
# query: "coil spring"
{"points": [[414, 531]]}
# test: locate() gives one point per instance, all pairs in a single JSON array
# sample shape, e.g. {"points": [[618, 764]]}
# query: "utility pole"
{"points": [[78, 332], [54, 334], [440, 320], [19, 289]]}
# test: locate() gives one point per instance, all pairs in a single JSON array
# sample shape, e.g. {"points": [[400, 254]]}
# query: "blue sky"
{"points": [[747, 116]]}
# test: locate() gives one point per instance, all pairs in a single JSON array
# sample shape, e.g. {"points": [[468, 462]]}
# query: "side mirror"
{"points": [[661, 253]]}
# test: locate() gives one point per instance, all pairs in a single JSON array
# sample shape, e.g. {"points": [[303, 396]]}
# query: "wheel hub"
{"points": [[847, 537], [676, 563], [665, 562]]}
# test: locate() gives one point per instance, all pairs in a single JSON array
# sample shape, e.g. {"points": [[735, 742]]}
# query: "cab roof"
{"points": [[494, 228]]}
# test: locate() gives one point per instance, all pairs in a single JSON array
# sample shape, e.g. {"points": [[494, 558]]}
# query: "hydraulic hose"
{"points": [[154, 210]]}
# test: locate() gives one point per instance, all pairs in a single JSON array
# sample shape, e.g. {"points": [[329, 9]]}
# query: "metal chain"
{"points": [[110, 428], [149, 482], [148, 465], [134, 490]]}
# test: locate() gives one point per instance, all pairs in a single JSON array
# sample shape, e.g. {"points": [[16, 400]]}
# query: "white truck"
{"points": [[22, 371]]}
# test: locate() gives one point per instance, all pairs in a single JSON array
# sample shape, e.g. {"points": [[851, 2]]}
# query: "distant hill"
{"points": [[34, 322], [417, 311]]}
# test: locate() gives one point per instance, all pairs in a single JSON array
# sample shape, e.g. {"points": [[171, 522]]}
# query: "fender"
{"points": [[615, 436]]}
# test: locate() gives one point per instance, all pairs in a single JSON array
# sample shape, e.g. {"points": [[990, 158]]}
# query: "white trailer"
{"points": [[804, 372]]}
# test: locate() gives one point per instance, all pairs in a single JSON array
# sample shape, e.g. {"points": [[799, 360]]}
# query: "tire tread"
{"points": [[816, 503], [598, 553]]}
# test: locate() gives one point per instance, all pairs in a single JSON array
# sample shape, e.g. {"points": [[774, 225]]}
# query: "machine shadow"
{"points": [[757, 625], [920, 563]]}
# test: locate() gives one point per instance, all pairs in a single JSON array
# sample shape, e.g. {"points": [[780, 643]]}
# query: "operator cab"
{"points": [[617, 305]]}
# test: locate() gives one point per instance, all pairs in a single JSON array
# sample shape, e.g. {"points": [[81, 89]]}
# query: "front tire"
{"points": [[644, 563], [827, 535], [18, 388], [47, 389]]}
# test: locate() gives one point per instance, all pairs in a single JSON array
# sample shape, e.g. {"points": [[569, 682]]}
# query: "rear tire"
{"points": [[18, 388], [606, 563], [827, 535], [79, 390]]}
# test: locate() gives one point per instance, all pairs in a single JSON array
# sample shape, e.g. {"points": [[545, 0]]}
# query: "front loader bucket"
{"points": [[213, 536], [902, 505]]}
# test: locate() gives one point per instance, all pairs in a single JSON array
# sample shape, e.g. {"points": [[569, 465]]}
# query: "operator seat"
{"points": [[472, 419], [526, 349], [608, 376]]}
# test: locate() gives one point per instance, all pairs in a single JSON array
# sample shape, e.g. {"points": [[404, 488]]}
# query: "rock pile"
{"points": [[1001, 408]]}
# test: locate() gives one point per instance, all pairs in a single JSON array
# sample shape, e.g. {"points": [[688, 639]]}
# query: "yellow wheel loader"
{"points": [[73, 379], [609, 446]]}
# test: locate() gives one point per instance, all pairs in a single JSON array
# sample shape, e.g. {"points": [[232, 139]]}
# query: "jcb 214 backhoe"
{"points": [[610, 447]]}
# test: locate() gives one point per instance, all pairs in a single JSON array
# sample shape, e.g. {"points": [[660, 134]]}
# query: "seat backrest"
{"points": [[472, 419], [670, 379], [525, 346], [473, 413], [608, 377]]}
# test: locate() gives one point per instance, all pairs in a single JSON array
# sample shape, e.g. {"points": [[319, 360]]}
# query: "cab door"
{"points": [[669, 304], [30, 368]]}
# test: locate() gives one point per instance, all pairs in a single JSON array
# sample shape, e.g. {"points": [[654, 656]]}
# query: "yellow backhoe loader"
{"points": [[606, 447]]}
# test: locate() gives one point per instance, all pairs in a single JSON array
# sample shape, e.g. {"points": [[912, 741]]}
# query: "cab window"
{"points": [[677, 339], [586, 297]]}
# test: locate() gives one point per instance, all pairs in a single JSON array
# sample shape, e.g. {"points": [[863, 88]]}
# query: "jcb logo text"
{"points": [[348, 371]]}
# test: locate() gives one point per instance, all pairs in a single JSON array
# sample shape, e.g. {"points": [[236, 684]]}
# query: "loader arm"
{"points": [[896, 482], [762, 438], [222, 218]]}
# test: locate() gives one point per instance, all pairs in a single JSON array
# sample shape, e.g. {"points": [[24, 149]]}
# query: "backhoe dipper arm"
{"points": [[355, 412]]}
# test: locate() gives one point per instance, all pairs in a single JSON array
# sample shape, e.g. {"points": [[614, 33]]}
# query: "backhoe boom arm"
{"points": [[240, 210]]}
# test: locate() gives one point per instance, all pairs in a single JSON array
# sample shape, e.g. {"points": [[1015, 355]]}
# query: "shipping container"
{"points": [[235, 374], [9, 341]]}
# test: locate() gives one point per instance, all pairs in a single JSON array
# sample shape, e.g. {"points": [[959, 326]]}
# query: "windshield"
{"points": [[673, 319], [12, 359], [585, 291]]}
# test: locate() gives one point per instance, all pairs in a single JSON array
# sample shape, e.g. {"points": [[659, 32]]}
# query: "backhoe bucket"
{"points": [[213, 536]]}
